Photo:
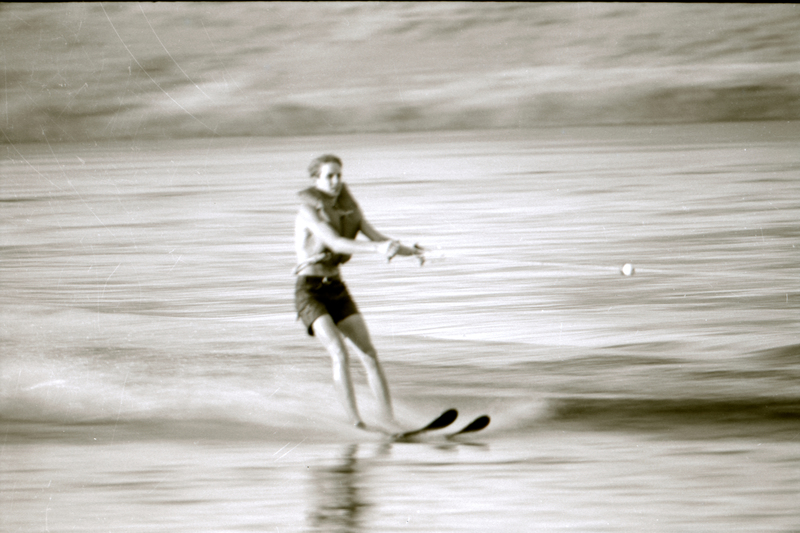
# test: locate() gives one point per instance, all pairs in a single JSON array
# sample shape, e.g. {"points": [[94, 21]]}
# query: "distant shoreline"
{"points": [[85, 72]]}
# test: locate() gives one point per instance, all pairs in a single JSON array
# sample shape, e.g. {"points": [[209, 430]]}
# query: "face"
{"points": [[330, 179]]}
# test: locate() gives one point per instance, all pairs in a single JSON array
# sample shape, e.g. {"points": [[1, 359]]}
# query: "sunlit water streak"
{"points": [[154, 377]]}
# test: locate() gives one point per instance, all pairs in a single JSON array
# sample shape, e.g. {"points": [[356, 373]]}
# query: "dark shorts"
{"points": [[315, 296]]}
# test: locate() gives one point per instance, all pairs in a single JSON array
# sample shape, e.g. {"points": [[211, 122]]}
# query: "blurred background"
{"points": [[89, 71]]}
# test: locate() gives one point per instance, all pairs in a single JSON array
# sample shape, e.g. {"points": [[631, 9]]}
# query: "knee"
{"points": [[331, 339], [340, 365], [368, 349], [338, 353], [369, 357]]}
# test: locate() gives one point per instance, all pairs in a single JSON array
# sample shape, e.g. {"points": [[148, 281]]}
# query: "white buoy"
{"points": [[627, 269]]}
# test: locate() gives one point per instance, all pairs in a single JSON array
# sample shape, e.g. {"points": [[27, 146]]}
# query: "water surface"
{"points": [[154, 377]]}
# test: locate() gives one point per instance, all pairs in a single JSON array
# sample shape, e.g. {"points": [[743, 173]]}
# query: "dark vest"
{"points": [[342, 213]]}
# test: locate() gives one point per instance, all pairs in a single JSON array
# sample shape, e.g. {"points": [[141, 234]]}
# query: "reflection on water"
{"points": [[338, 497]]}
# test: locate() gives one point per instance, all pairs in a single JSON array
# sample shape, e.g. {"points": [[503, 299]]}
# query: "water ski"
{"points": [[441, 422]]}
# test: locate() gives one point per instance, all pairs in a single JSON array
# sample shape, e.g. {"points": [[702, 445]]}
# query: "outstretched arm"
{"points": [[335, 242], [374, 235]]}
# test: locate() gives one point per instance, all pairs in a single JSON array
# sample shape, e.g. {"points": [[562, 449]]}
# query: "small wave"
{"points": [[788, 355], [749, 415]]}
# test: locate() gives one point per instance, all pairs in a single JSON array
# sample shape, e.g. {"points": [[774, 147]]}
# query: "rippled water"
{"points": [[154, 377]]}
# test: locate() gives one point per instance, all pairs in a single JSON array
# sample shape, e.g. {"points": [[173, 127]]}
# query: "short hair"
{"points": [[317, 162]]}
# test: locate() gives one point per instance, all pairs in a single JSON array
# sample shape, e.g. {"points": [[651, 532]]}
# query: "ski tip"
{"points": [[478, 424], [444, 420]]}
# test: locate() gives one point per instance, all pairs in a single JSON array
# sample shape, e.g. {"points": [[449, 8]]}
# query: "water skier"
{"points": [[326, 227]]}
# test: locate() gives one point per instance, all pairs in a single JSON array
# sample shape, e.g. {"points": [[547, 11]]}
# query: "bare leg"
{"points": [[330, 336], [356, 330]]}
